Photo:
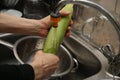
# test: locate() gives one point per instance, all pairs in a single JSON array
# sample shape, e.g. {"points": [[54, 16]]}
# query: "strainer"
{"points": [[25, 47]]}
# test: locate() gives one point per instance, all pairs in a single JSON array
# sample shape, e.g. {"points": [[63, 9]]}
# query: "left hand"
{"points": [[46, 23]]}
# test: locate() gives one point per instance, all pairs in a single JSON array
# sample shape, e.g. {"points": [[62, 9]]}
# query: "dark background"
{"points": [[21, 3]]}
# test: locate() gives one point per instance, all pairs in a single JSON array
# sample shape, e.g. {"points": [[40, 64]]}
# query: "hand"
{"points": [[46, 23], [44, 64]]}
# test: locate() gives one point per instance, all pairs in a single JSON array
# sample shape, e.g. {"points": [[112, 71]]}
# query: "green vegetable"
{"points": [[56, 35]]}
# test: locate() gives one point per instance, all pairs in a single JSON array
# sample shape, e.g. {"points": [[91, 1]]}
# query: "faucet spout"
{"points": [[96, 6]]}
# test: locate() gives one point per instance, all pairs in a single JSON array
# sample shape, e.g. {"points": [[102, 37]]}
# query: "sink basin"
{"points": [[92, 64]]}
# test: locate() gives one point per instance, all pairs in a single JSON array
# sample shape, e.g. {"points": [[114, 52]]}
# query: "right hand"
{"points": [[44, 64]]}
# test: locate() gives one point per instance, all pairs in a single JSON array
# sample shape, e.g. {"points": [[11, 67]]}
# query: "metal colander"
{"points": [[25, 48]]}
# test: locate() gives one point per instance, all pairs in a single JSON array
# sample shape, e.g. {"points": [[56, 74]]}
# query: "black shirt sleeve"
{"points": [[16, 72]]}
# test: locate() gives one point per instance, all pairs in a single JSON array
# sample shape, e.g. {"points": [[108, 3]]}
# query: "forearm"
{"points": [[11, 24]]}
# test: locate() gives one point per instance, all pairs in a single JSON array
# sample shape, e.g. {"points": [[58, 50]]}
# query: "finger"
{"points": [[64, 13], [71, 23], [68, 32], [69, 28]]}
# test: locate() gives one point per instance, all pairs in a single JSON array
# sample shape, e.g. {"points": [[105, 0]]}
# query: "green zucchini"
{"points": [[56, 35]]}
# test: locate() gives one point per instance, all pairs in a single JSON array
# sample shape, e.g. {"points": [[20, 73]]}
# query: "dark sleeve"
{"points": [[1, 4], [16, 72]]}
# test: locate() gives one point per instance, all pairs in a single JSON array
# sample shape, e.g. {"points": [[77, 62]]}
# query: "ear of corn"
{"points": [[56, 35]]}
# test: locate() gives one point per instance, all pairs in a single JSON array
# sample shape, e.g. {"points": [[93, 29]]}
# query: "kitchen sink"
{"points": [[91, 63]]}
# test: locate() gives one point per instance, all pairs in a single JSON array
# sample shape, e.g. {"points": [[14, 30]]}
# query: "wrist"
{"points": [[38, 70], [37, 27]]}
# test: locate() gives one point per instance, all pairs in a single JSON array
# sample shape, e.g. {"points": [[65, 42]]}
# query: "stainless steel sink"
{"points": [[92, 64]]}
